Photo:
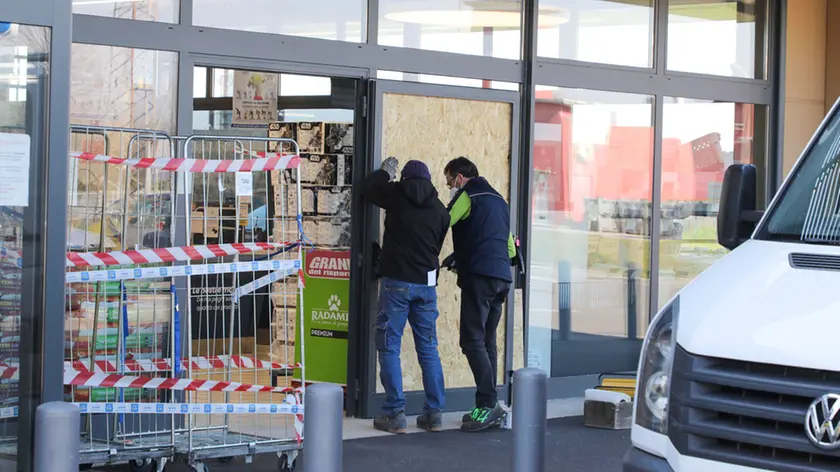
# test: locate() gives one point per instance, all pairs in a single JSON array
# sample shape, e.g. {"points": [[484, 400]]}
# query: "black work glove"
{"points": [[449, 263]]}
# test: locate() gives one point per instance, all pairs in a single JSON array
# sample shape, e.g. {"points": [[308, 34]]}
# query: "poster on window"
{"points": [[254, 99]]}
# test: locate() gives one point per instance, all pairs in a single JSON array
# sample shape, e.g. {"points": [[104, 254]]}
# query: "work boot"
{"points": [[391, 423], [430, 421], [483, 418]]}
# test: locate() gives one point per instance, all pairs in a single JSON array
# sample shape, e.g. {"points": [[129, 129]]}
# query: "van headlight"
{"points": [[653, 389]]}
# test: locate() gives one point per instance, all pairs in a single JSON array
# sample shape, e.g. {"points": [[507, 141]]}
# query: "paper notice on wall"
{"points": [[14, 169], [254, 99], [244, 184]]}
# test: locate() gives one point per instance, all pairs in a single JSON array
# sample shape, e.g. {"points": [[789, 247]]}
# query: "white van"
{"points": [[741, 370]]}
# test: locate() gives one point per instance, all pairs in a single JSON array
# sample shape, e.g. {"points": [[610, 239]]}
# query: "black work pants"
{"points": [[482, 299]]}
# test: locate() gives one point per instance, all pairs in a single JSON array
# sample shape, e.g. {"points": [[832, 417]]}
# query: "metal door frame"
{"points": [[456, 398], [186, 67], [41, 367]]}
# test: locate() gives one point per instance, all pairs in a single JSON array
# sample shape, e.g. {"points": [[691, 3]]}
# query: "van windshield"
{"points": [[809, 209]]}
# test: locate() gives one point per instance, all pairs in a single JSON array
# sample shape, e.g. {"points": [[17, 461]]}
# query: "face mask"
{"points": [[452, 192]]}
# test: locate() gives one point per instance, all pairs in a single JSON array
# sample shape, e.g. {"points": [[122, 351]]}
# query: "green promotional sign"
{"points": [[326, 307]]}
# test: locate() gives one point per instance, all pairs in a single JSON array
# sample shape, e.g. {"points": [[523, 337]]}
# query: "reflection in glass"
{"points": [[590, 235], [165, 11], [699, 140], [222, 82], [342, 20], [200, 82], [719, 38], [445, 80], [482, 28], [602, 31], [23, 96], [123, 87]]}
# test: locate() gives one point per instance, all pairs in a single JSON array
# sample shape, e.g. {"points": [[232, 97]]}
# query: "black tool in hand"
{"points": [[449, 263]]}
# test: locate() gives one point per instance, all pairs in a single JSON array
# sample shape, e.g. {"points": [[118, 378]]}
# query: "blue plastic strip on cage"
{"points": [[177, 331], [255, 285], [303, 237], [114, 275], [191, 408], [124, 315]]}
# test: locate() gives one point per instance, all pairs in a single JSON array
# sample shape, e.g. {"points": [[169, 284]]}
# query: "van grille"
{"points": [[747, 413], [800, 260]]}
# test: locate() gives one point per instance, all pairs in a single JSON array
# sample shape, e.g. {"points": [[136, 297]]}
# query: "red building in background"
{"points": [[621, 169]]}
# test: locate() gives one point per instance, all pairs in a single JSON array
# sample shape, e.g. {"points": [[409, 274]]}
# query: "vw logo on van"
{"points": [[822, 424]]}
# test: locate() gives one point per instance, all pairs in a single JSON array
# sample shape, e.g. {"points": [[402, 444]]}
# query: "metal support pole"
{"points": [[322, 428], [632, 300], [57, 437], [530, 405]]}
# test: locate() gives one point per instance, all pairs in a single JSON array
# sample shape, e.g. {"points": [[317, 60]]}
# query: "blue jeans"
{"points": [[400, 302]]}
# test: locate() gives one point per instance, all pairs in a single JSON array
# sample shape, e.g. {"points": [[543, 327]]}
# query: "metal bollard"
{"points": [[530, 417], [57, 437], [632, 301], [323, 415]]}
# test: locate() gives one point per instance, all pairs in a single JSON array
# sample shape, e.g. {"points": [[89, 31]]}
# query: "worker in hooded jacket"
{"points": [[416, 223]]}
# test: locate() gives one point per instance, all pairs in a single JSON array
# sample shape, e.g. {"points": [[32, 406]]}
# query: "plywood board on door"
{"points": [[435, 130]]}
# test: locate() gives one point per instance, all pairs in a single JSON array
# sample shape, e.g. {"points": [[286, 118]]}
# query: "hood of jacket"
{"points": [[419, 192]]}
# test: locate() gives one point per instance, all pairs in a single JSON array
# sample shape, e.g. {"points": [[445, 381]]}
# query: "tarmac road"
{"points": [[570, 447]]}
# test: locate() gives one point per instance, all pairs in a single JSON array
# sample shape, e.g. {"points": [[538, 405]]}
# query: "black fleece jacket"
{"points": [[416, 223]]}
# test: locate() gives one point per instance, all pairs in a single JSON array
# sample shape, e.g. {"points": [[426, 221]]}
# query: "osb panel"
{"points": [[436, 130]]}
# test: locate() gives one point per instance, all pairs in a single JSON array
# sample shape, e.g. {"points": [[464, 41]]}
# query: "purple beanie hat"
{"points": [[415, 170]]}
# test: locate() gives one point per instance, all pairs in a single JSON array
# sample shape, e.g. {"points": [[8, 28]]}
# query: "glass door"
{"points": [[24, 70], [318, 112], [435, 124]]}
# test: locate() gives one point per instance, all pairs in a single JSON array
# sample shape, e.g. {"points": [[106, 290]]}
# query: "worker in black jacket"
{"points": [[484, 253], [416, 223]]}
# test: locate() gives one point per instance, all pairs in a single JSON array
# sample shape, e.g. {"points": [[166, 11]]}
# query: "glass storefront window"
{"points": [[200, 82], [590, 233], [291, 85], [165, 11], [123, 87], [601, 31], [700, 139], [444, 80], [718, 38], [342, 20], [23, 99], [490, 29]]}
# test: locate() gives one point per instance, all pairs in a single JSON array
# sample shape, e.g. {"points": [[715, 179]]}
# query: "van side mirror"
{"points": [[737, 215]]}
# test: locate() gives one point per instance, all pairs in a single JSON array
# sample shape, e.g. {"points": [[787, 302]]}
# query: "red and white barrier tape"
{"points": [[163, 365], [8, 373], [90, 379], [269, 161], [169, 254]]}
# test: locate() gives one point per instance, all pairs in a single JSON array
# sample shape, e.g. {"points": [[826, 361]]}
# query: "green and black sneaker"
{"points": [[483, 418], [468, 415]]}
